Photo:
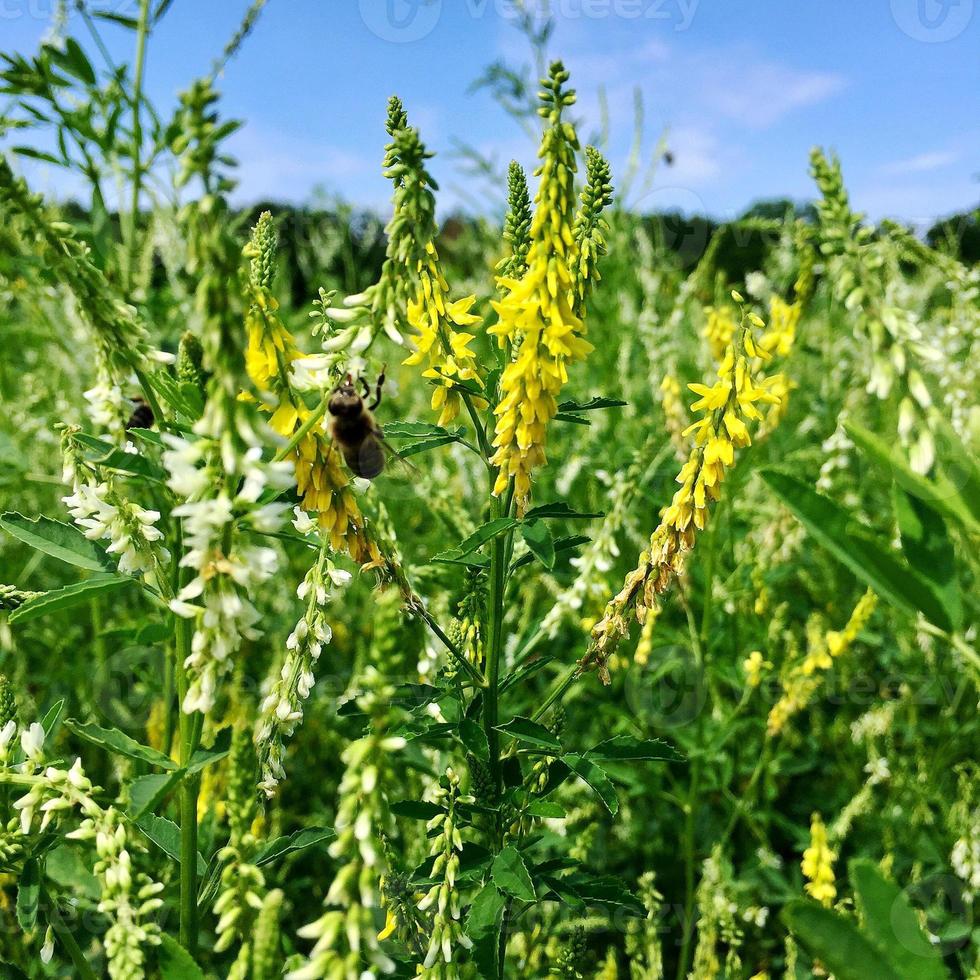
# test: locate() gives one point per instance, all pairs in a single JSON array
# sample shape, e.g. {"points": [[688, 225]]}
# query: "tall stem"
{"points": [[188, 797], [491, 716], [137, 150]]}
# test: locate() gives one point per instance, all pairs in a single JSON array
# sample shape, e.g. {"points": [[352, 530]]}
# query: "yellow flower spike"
{"points": [[817, 864], [725, 406]]}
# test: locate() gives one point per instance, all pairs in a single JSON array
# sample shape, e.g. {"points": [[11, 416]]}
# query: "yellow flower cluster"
{"points": [[536, 318], [323, 485], [445, 349], [719, 330], [783, 320], [818, 864], [754, 666], [675, 414], [724, 406], [804, 678]]}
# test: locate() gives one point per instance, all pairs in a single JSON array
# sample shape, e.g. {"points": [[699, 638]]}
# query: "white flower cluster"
{"points": [[345, 936], [221, 491], [965, 858], [126, 898], [443, 896], [282, 708], [102, 513]]}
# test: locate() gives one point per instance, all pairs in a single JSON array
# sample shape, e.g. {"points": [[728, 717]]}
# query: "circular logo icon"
{"points": [[932, 21], [668, 691], [400, 21]]}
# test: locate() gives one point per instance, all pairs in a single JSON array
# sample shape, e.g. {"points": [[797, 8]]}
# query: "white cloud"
{"points": [[921, 163], [758, 94]]}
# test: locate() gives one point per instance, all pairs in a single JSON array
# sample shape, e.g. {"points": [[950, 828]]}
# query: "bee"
{"points": [[668, 158], [354, 429], [142, 417]]}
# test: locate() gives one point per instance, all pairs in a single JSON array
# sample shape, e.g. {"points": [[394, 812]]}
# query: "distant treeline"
{"points": [[344, 247]]}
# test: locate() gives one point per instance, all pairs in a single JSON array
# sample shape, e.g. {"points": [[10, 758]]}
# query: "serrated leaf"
{"points": [[532, 732], [61, 541], [166, 835], [483, 534], [621, 748], [175, 962], [413, 430], [840, 533], [595, 777], [71, 595], [119, 743], [891, 923], [568, 417], [558, 509], [836, 942], [298, 841], [540, 542], [510, 875]]}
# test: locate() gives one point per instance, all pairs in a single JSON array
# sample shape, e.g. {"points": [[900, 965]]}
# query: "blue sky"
{"points": [[743, 91]]}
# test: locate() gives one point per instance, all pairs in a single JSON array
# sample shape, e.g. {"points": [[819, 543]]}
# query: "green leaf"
{"points": [[558, 509], [510, 875], [58, 540], [483, 534], [525, 730], [591, 405], [929, 550], [568, 417], [960, 466], [166, 835], [540, 541], [416, 809], [413, 430], [891, 923], [545, 808], [567, 543], [73, 60], [131, 23], [113, 458], [298, 841], [606, 891], [31, 153], [483, 926], [205, 757], [834, 528], [474, 738], [836, 942], [28, 894], [596, 778], [939, 494], [622, 748], [176, 963], [146, 793], [66, 867], [119, 743], [71, 595]]}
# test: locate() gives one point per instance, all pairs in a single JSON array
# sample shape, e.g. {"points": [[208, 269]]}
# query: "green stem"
{"points": [[312, 419], [491, 714], [67, 939], [688, 851], [188, 727], [142, 32]]}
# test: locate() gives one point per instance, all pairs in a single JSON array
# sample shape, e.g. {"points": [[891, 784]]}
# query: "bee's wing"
{"points": [[394, 453]]}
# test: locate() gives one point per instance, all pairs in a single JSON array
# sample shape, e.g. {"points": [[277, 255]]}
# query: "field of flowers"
{"points": [[649, 652]]}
